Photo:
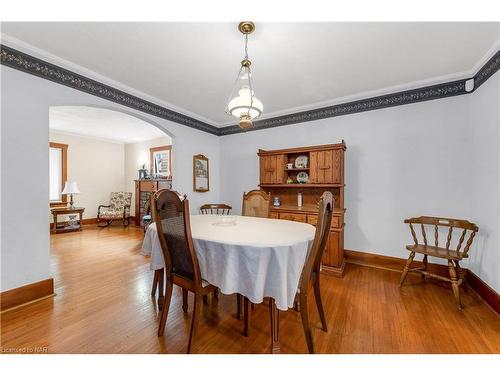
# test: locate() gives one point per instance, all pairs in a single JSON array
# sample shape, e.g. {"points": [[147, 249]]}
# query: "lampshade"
{"points": [[70, 187], [244, 104]]}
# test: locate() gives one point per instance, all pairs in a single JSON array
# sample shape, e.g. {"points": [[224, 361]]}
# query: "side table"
{"points": [[67, 211]]}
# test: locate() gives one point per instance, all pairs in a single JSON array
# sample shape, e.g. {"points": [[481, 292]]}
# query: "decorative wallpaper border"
{"points": [[29, 64], [488, 69], [32, 65], [444, 90]]}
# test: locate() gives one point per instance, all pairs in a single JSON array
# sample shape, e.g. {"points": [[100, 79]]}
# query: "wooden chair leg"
{"points": [[319, 304], [161, 278], [184, 300], [196, 319], [305, 322], [246, 313], [166, 306], [216, 293], [454, 283], [155, 283], [296, 304], [238, 306], [424, 262], [461, 274], [407, 267]]}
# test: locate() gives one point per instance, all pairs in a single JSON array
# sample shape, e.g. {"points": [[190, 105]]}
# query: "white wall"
{"points": [[25, 103], [137, 154], [426, 158], [97, 167], [400, 162], [485, 175]]}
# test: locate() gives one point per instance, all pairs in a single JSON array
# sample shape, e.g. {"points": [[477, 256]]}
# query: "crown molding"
{"points": [[41, 54], [40, 68], [29, 64], [443, 90], [488, 69]]}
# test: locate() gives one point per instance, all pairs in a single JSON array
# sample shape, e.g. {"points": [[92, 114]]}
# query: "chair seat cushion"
{"points": [[434, 251], [111, 214]]}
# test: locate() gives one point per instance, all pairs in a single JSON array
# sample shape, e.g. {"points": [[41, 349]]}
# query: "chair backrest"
{"points": [[120, 199], [462, 225], [256, 203], [171, 215], [313, 260], [215, 209]]}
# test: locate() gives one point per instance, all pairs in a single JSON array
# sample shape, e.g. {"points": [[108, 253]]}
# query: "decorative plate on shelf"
{"points": [[301, 161], [302, 178]]}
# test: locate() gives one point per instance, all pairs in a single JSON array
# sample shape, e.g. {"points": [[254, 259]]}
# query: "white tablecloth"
{"points": [[256, 257]]}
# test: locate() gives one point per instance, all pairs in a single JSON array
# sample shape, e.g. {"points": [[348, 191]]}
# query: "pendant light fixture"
{"points": [[244, 105]]}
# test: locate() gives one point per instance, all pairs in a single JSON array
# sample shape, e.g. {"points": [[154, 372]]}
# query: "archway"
{"points": [[102, 151]]}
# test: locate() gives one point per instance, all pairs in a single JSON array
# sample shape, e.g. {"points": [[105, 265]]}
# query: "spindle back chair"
{"points": [[215, 209], [430, 247]]}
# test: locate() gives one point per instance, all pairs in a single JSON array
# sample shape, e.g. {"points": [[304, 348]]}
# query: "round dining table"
{"points": [[254, 257]]}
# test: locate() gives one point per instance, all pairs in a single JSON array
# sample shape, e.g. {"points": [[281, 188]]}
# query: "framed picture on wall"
{"points": [[201, 177], [161, 161]]}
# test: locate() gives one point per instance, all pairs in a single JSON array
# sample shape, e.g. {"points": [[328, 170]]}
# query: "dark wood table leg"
{"points": [[238, 306], [81, 220], [246, 312], [275, 325]]}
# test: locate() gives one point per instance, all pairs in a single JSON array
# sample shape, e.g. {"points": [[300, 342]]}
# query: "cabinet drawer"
{"points": [[148, 186], [313, 220], [273, 215], [293, 217]]}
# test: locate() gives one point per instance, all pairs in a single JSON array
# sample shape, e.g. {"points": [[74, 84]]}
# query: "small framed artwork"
{"points": [[201, 177], [161, 161]]}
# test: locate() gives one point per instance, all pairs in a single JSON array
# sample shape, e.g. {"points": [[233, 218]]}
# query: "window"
{"points": [[58, 166]]}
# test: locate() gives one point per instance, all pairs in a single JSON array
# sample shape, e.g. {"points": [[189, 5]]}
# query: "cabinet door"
{"points": [[321, 168], [271, 169], [326, 167]]}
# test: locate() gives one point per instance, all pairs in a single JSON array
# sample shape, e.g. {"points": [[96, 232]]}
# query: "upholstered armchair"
{"points": [[118, 209]]}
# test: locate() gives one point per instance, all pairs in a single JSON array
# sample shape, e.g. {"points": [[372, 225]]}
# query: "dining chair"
{"points": [[171, 216], [215, 209], [453, 256], [256, 203], [310, 277]]}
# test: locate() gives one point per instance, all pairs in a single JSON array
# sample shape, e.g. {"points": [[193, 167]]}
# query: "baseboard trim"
{"points": [[26, 294], [88, 221], [389, 263], [483, 290]]}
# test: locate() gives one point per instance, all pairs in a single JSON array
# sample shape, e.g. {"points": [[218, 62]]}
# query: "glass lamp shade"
{"points": [[243, 104], [70, 187]]}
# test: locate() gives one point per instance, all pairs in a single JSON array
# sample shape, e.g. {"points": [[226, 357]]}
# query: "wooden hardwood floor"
{"points": [[103, 305]]}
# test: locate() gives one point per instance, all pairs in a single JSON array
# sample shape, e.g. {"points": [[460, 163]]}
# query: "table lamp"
{"points": [[70, 187]]}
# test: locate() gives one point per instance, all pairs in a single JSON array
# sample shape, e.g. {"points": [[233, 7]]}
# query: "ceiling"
{"points": [[191, 67], [101, 123]]}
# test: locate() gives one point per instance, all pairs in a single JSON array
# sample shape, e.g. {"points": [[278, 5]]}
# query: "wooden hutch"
{"points": [[325, 167]]}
